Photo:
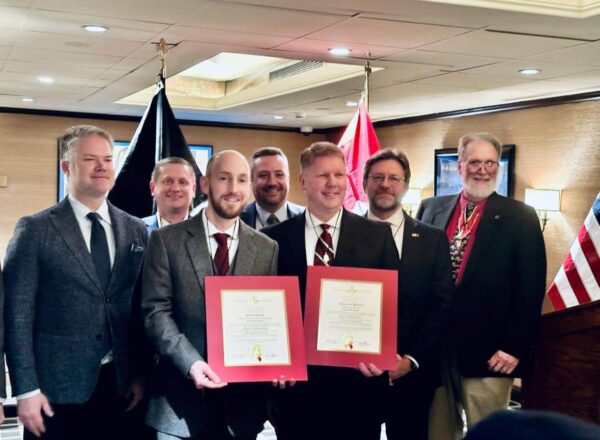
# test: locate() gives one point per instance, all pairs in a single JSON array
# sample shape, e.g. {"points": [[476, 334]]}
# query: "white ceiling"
{"points": [[436, 57]]}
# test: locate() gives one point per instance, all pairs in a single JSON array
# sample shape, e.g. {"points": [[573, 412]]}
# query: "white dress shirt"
{"points": [[232, 242], [312, 232], [262, 215]]}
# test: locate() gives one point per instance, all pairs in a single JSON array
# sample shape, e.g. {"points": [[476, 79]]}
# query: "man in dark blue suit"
{"points": [[270, 184], [72, 333], [424, 296], [499, 269], [173, 186]]}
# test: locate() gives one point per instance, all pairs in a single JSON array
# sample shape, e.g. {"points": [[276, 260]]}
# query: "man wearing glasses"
{"points": [[424, 296], [499, 269]]}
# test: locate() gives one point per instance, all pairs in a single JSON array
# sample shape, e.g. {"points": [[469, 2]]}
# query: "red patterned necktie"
{"points": [[222, 255], [324, 248]]}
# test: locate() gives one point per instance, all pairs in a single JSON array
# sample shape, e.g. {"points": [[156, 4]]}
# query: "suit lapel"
{"points": [[122, 243], [443, 212], [65, 223], [410, 239], [197, 249], [296, 239], [487, 229], [246, 252], [346, 241]]}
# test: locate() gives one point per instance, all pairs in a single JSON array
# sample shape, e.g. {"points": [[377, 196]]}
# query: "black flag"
{"points": [[158, 136]]}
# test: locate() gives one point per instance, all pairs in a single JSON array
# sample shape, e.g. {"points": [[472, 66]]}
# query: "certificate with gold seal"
{"points": [[254, 328], [351, 316]]}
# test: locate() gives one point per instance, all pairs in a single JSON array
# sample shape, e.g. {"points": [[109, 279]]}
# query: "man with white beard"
{"points": [[499, 268]]}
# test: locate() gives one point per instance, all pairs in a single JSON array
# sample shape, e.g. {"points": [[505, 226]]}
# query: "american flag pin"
{"points": [[497, 217], [415, 235]]}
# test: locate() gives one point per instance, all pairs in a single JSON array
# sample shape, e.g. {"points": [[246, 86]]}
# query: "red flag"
{"points": [[578, 279], [359, 142]]}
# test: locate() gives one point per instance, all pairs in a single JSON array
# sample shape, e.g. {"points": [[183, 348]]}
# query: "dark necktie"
{"points": [[99, 250], [459, 241], [222, 254], [324, 248], [272, 220]]}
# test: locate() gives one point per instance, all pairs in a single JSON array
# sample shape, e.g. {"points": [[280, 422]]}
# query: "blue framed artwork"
{"points": [[447, 180], [200, 152]]}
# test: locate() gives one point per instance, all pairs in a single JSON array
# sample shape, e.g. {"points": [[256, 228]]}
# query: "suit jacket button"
{"points": [[106, 299]]}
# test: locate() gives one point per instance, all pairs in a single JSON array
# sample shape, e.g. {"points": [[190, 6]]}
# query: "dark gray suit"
{"points": [[173, 304], [58, 315]]}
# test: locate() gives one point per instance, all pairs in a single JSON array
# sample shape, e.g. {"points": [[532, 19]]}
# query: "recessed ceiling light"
{"points": [[27, 99], [351, 103], [529, 71], [45, 79], [339, 51], [277, 117], [94, 28]]}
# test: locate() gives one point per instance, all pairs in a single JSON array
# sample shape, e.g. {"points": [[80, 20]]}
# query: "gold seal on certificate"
{"points": [[255, 330], [350, 316]]}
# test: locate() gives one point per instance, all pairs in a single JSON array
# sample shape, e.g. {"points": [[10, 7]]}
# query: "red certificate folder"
{"points": [[350, 299], [254, 328]]}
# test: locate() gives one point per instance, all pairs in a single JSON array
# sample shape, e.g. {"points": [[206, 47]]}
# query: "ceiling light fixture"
{"points": [[529, 71], [351, 104], [27, 99], [94, 28], [339, 51], [277, 117], [45, 79]]}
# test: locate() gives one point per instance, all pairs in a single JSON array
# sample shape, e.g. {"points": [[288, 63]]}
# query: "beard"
{"points": [[385, 205], [480, 190], [269, 201], [223, 211]]}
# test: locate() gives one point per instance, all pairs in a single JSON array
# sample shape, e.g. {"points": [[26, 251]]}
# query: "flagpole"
{"points": [[163, 48], [365, 92]]}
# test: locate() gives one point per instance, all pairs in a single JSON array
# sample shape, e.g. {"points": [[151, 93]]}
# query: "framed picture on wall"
{"points": [[447, 180], [200, 152]]}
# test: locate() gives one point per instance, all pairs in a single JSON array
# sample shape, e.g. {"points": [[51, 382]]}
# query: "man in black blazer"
{"points": [[71, 330], [335, 402], [499, 266], [270, 174], [424, 296]]}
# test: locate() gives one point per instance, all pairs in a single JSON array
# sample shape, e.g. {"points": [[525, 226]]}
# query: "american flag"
{"points": [[578, 280]]}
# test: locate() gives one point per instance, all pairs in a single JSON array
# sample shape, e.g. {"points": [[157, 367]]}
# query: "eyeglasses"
{"points": [[475, 165], [378, 179]]}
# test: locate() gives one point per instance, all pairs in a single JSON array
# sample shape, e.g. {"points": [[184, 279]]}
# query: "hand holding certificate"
{"points": [[254, 328], [351, 317]]}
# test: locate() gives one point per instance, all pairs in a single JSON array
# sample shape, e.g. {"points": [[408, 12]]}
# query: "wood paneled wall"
{"points": [[557, 147], [28, 156]]}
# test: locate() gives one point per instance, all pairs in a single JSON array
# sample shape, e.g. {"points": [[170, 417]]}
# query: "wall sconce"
{"points": [[543, 200], [412, 199]]}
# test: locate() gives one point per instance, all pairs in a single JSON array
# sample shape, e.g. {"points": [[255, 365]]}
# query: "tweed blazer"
{"points": [[57, 314], [173, 305]]}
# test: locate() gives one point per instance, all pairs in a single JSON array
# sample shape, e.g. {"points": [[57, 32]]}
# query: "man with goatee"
{"points": [[188, 400], [499, 269], [270, 184]]}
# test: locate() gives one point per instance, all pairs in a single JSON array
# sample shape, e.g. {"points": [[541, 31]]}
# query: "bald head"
{"points": [[227, 184]]}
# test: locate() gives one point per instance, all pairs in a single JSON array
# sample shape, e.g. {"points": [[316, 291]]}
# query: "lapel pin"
{"points": [[415, 235], [497, 217]]}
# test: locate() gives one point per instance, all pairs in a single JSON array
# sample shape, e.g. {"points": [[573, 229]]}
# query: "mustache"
{"points": [[273, 186]]}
